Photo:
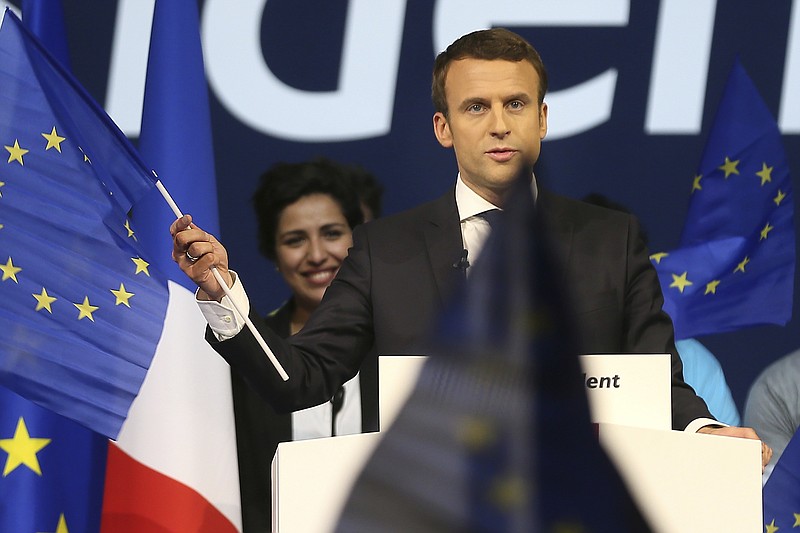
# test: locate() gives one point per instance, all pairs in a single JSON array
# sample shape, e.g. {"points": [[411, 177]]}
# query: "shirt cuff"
{"points": [[699, 423], [222, 316]]}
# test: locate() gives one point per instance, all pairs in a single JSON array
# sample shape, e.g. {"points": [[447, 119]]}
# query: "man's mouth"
{"points": [[501, 155]]}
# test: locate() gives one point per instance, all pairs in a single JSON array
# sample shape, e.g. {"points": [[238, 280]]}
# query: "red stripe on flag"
{"points": [[139, 499]]}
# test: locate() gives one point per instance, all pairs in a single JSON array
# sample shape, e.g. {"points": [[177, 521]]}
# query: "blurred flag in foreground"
{"points": [[496, 435], [81, 309], [173, 467], [782, 490], [735, 264]]}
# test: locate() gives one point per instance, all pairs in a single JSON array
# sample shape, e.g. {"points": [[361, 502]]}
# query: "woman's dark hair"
{"points": [[285, 183], [368, 188]]}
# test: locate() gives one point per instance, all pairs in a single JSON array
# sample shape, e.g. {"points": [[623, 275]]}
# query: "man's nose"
{"points": [[499, 126]]}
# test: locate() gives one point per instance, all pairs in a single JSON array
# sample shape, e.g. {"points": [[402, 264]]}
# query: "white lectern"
{"points": [[682, 482]]}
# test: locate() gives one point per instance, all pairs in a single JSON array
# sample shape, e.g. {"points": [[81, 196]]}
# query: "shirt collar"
{"points": [[469, 203]]}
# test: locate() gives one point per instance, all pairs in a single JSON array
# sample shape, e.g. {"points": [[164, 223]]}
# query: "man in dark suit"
{"points": [[488, 90]]}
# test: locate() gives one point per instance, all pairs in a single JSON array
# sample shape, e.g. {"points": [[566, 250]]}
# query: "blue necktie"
{"points": [[493, 216]]}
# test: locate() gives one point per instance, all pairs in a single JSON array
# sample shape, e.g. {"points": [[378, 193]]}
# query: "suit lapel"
{"points": [[443, 241], [559, 227]]}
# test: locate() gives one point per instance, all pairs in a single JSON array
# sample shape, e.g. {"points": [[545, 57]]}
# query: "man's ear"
{"points": [[442, 130], [543, 121]]}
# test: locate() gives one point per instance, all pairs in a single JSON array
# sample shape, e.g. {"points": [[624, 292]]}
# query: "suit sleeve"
{"points": [[327, 352], [648, 328]]}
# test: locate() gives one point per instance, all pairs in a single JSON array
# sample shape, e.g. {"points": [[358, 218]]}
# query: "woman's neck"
{"points": [[299, 317]]}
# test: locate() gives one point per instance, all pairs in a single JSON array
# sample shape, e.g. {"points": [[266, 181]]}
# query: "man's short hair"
{"points": [[496, 43]]}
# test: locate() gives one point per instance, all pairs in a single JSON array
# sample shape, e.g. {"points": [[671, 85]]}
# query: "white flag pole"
{"points": [[247, 321]]}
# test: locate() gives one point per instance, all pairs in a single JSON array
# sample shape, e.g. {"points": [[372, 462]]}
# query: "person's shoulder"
{"points": [[562, 206], [787, 368], [279, 319], [436, 211], [693, 352]]}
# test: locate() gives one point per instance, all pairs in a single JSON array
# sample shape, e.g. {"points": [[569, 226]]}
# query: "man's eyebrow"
{"points": [[523, 96], [472, 100]]}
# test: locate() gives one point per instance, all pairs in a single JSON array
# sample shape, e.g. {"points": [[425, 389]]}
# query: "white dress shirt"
{"points": [[475, 229]]}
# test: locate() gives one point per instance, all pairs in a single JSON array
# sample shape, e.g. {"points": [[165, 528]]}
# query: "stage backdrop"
{"points": [[633, 90]]}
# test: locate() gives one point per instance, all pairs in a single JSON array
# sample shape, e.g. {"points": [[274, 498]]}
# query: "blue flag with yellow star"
{"points": [[81, 310], [52, 470], [51, 464], [735, 263], [782, 490]]}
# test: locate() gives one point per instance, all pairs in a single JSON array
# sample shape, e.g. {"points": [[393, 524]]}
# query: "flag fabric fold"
{"points": [[173, 467], [81, 310], [782, 490], [735, 263], [481, 444]]}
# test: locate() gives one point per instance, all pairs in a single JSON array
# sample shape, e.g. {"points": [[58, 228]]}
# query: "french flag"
{"points": [[173, 467]]}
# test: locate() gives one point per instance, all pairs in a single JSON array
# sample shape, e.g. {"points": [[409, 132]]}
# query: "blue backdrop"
{"points": [[293, 79]]}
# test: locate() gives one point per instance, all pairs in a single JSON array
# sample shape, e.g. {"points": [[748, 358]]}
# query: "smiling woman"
{"points": [[306, 213], [312, 239]]}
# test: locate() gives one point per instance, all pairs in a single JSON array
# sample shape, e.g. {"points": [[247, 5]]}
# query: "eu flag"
{"points": [[482, 443], [735, 263], [81, 308], [52, 470], [52, 466], [782, 490]]}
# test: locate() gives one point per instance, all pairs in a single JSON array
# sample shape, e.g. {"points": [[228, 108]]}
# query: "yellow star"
{"points": [[765, 174], [696, 183], [122, 295], [779, 197], [740, 266], [141, 265], [508, 492], [10, 271], [711, 287], [771, 527], [680, 282], [86, 309], [729, 167], [15, 153], [765, 231], [85, 157], [796, 520], [54, 140], [62, 524], [657, 257], [22, 449], [2, 184], [476, 433], [130, 231], [44, 300], [568, 527]]}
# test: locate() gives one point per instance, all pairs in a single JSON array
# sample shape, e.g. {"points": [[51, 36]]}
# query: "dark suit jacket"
{"points": [[401, 270], [259, 430]]}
